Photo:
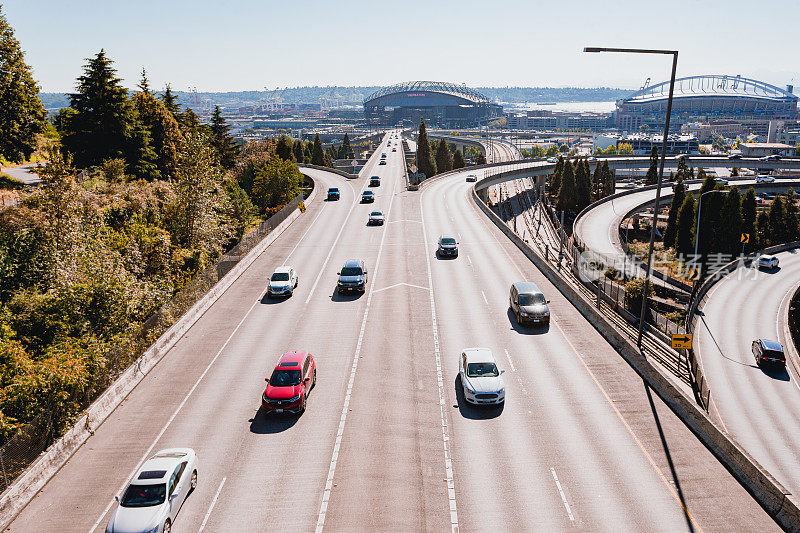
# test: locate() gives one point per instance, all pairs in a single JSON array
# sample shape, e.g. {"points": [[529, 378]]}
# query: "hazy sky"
{"points": [[249, 44]]}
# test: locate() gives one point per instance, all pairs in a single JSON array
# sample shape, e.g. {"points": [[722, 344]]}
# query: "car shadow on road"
{"points": [[475, 412], [441, 257], [776, 373], [272, 300], [525, 330], [265, 424], [345, 297]]}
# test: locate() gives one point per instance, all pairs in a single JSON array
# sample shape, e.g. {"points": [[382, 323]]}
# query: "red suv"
{"points": [[291, 381]]}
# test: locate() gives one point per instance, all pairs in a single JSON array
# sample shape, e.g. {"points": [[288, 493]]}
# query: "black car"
{"points": [[768, 353], [375, 181], [367, 197], [333, 193], [448, 246], [352, 277]]}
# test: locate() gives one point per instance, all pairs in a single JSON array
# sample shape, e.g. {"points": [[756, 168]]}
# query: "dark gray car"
{"points": [[352, 277], [529, 304]]}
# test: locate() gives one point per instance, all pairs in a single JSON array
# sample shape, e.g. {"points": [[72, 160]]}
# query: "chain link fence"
{"points": [[19, 451]]}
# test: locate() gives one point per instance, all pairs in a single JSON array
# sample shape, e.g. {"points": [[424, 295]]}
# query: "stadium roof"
{"points": [[712, 85], [442, 87]]}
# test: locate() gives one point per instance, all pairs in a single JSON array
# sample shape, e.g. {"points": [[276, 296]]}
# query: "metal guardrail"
{"points": [[25, 446]]}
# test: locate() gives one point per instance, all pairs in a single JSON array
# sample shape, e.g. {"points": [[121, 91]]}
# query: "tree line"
{"points": [[725, 216], [434, 158], [573, 186], [137, 197]]}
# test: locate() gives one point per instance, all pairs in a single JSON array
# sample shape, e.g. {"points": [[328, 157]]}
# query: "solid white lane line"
{"points": [[326, 495], [178, 410], [448, 463], [325, 264], [563, 497], [510, 362], [186, 398], [484, 298], [211, 507]]}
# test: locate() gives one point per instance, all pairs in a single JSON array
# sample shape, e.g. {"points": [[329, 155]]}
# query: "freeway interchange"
{"points": [[387, 441]]}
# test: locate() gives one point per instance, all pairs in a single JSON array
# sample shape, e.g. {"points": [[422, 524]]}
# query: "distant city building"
{"points": [[705, 131], [765, 149], [440, 103], [643, 143], [705, 98], [555, 120]]}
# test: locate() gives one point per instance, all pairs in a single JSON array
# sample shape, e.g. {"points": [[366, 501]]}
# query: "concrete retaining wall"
{"points": [[17, 496], [781, 505]]}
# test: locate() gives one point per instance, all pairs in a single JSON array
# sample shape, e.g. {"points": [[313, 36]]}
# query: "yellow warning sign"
{"points": [[682, 342], [745, 238]]}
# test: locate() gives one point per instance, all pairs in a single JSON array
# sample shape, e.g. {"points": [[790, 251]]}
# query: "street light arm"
{"points": [[596, 49]]}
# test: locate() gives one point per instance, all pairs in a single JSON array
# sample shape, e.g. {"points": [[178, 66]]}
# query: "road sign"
{"points": [[682, 342], [745, 238]]}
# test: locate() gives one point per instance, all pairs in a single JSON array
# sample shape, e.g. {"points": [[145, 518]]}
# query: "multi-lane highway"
{"points": [[387, 442], [756, 406]]}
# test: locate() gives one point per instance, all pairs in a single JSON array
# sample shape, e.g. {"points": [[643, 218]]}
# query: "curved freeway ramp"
{"points": [[758, 407], [597, 227]]}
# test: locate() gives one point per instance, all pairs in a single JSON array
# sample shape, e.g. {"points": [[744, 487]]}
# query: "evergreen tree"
{"points": [[22, 115], [345, 151], [308, 152], [425, 162], [284, 148], [222, 141], [652, 172], [565, 200], [170, 101], [480, 159], [165, 134], [701, 175], [730, 223], [555, 179], [762, 226], [105, 124], [583, 185], [683, 170], [598, 182], [749, 213], [458, 160], [444, 161], [144, 83], [683, 238], [318, 154], [778, 232], [792, 230], [678, 197], [330, 156], [735, 172], [609, 180], [298, 151]]}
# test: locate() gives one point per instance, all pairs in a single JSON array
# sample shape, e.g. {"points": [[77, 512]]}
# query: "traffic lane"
{"points": [[714, 496], [113, 452], [752, 402], [390, 469], [282, 466], [572, 435]]}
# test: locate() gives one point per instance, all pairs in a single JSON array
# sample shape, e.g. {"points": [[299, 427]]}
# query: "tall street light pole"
{"points": [[674, 54]]}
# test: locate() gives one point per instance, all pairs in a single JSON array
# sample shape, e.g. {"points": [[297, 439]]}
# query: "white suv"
{"points": [[480, 377]]}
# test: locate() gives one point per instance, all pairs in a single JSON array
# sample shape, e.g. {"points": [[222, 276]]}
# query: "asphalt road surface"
{"points": [[387, 442], [758, 407]]}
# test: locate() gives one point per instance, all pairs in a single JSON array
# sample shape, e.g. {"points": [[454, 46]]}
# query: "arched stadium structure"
{"points": [[706, 97], [440, 103]]}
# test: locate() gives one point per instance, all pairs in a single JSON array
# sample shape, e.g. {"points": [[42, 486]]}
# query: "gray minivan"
{"points": [[529, 304]]}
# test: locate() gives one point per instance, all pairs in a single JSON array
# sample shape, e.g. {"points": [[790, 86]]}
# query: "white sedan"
{"points": [[764, 179], [155, 495], [767, 262], [375, 218], [480, 377]]}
